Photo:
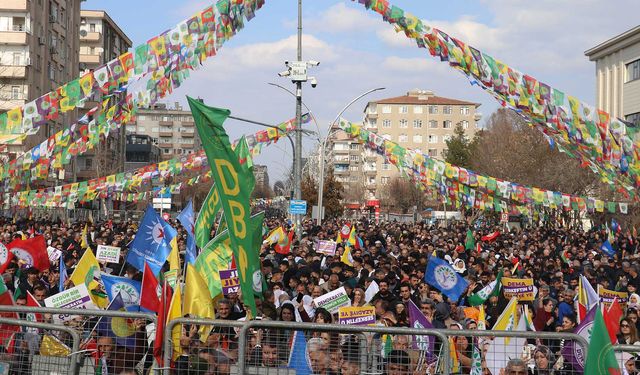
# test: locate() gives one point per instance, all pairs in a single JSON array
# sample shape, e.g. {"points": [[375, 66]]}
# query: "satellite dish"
{"points": [[83, 33]]}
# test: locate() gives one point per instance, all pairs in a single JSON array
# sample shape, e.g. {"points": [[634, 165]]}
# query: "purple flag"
{"points": [[572, 351], [424, 343]]}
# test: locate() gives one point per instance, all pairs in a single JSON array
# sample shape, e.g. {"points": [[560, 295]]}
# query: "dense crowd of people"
{"points": [[394, 257]]}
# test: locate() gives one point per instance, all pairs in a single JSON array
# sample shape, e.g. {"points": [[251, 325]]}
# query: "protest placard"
{"points": [[72, 298], [522, 289], [607, 296], [230, 281], [332, 301], [327, 248], [109, 254], [357, 315]]}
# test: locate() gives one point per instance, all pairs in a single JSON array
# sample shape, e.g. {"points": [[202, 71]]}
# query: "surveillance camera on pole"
{"points": [[285, 73], [313, 81], [313, 63]]}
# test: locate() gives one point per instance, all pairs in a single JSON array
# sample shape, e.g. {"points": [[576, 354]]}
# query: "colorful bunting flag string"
{"points": [[602, 143], [117, 185], [471, 188]]}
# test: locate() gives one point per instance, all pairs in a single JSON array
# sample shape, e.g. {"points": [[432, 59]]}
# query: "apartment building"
{"points": [[172, 127], [101, 40], [418, 120], [618, 75], [39, 51], [261, 174]]}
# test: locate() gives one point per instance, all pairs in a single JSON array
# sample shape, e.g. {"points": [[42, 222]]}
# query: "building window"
{"points": [[433, 109], [372, 110], [447, 110], [386, 123], [17, 58], [354, 146], [354, 157], [52, 72], [464, 110], [88, 163], [16, 92], [92, 27], [417, 138], [465, 124], [386, 166], [446, 124], [404, 123], [634, 118], [446, 138], [433, 138], [417, 124], [433, 124], [432, 152], [403, 109], [384, 180], [417, 109], [386, 109], [373, 122], [403, 138], [353, 168], [633, 70], [166, 150], [386, 136]]}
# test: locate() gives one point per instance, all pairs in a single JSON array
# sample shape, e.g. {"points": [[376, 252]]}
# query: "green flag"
{"points": [[483, 294], [233, 182], [470, 243], [600, 356]]}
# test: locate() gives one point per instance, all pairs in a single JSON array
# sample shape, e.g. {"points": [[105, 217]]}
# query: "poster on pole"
{"points": [[72, 298], [108, 254], [333, 301], [230, 281], [327, 248], [357, 315], [522, 289]]}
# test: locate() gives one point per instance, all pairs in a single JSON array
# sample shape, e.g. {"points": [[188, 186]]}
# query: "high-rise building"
{"points": [[261, 174], [419, 120], [173, 129], [39, 51], [618, 75], [101, 40]]}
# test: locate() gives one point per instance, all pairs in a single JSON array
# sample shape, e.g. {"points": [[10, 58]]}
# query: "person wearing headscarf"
{"points": [[543, 361]]}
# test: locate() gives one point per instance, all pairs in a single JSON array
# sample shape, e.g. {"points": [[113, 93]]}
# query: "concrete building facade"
{"points": [[171, 127], [418, 120], [39, 51], [618, 75]]}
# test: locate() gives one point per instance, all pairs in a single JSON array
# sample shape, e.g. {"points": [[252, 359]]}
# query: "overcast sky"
{"points": [[358, 51]]}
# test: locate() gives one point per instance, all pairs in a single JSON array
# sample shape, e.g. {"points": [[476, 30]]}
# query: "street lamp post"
{"points": [[323, 145]]}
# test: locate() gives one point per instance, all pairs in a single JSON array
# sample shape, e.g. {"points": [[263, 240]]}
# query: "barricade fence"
{"points": [[626, 358], [76, 341]]}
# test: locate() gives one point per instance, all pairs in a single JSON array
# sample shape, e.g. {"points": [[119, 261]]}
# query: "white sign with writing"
{"points": [[72, 298], [333, 301], [109, 254]]}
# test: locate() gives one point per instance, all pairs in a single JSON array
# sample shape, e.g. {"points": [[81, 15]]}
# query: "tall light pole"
{"points": [[323, 145], [297, 72]]}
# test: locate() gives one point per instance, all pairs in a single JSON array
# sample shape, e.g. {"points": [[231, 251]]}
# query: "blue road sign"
{"points": [[298, 206]]}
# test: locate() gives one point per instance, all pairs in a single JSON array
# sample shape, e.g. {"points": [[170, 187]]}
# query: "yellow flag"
{"points": [[52, 347], [84, 243], [175, 312], [174, 258], [275, 236], [197, 301], [507, 320], [87, 271], [346, 257]]}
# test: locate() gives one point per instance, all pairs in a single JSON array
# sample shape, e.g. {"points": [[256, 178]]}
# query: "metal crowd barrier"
{"points": [[18, 358], [626, 357]]}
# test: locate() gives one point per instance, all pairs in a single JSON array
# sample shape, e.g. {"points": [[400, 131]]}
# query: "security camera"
{"points": [[313, 82], [286, 62], [313, 63], [286, 73]]}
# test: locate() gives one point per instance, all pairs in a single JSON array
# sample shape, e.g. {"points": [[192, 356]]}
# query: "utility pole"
{"points": [[297, 189]]}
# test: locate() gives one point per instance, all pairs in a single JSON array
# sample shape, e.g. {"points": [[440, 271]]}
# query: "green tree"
{"points": [[331, 198], [460, 148]]}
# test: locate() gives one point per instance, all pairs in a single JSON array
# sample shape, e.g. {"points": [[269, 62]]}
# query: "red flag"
{"points": [[479, 247], [284, 247], [165, 301], [345, 231], [6, 257], [491, 237], [612, 317], [32, 251], [32, 302], [7, 330], [149, 293]]}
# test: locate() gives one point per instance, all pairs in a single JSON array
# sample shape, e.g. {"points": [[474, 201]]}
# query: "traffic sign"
{"points": [[298, 206]]}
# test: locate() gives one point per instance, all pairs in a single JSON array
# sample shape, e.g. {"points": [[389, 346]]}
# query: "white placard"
{"points": [[371, 291], [72, 298], [333, 301], [109, 254]]}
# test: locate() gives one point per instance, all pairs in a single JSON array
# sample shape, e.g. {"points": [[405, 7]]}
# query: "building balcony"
{"points": [[90, 59], [91, 37], [187, 145], [165, 134], [188, 123], [187, 134], [341, 151], [13, 37], [370, 156], [13, 72], [372, 115], [165, 145], [15, 5], [166, 123]]}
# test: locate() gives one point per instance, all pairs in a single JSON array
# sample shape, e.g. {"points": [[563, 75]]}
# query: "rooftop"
{"points": [[419, 97], [616, 43]]}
